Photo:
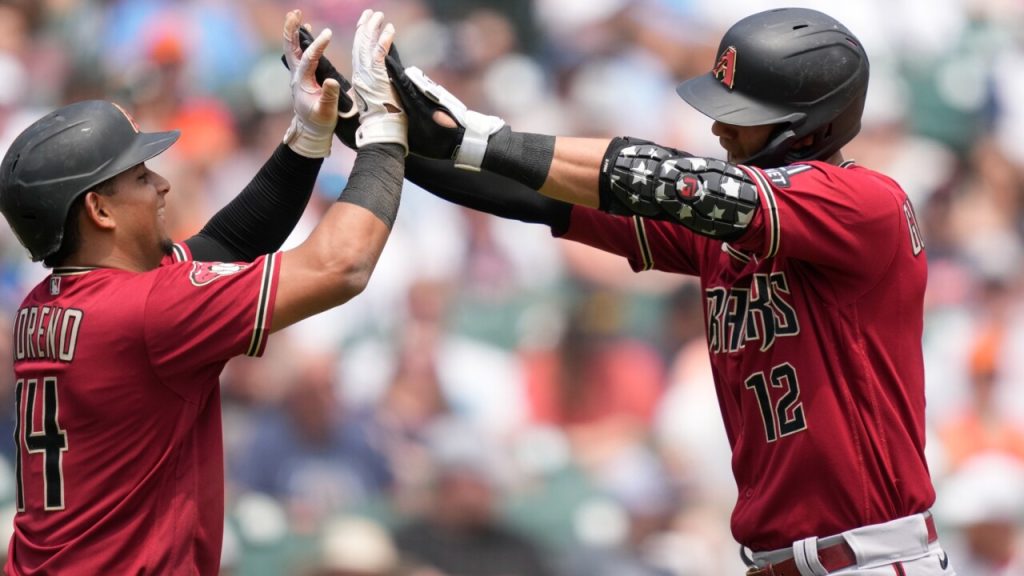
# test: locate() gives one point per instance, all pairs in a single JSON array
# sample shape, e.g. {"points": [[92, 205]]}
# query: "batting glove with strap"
{"points": [[316, 107], [348, 114], [465, 143], [381, 117]]}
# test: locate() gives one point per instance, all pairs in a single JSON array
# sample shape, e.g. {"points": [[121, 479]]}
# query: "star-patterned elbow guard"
{"points": [[711, 197]]}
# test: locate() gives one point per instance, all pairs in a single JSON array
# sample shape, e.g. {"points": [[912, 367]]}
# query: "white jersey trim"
{"points": [[261, 327], [645, 247], [774, 227]]}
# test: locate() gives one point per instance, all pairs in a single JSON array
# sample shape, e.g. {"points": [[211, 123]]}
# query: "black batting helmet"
{"points": [[792, 66], [63, 155]]}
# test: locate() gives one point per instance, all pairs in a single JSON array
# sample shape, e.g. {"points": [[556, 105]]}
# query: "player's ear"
{"points": [[96, 209]]}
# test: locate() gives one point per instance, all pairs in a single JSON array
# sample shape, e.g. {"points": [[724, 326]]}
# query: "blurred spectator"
{"points": [[981, 426], [596, 381], [355, 546], [984, 502], [643, 503], [310, 451], [461, 533]]}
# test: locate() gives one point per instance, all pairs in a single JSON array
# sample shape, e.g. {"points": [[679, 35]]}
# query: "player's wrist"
{"points": [[309, 139], [522, 156], [391, 128]]}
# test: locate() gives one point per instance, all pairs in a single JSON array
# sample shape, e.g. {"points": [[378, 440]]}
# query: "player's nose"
{"points": [[163, 186], [723, 130]]}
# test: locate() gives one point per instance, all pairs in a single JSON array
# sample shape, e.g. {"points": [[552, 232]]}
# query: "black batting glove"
{"points": [[465, 142], [427, 138], [348, 116]]}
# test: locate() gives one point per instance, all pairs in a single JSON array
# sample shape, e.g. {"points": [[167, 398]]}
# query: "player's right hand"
{"points": [[381, 117], [348, 113], [316, 107]]}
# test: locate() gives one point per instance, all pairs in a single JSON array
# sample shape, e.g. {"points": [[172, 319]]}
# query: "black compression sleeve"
{"points": [[488, 193], [261, 217]]}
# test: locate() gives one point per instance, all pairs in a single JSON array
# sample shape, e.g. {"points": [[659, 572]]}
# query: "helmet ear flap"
{"points": [[774, 151]]}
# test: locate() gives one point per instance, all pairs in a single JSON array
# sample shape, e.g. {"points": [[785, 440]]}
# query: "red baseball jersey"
{"points": [[814, 323], [120, 465]]}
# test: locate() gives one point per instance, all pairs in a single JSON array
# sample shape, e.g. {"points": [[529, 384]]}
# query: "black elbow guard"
{"points": [[711, 197]]}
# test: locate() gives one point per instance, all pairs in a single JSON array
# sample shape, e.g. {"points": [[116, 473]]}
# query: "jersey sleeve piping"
{"points": [[774, 228], [646, 256], [264, 304], [180, 252]]}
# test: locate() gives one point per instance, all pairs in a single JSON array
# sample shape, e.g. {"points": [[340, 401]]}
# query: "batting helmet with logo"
{"points": [[60, 157], [794, 67]]}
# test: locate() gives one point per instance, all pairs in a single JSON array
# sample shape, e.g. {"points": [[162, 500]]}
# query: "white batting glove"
{"points": [[316, 107], [381, 117]]}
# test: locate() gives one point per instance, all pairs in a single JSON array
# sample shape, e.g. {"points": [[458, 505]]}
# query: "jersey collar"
{"points": [[72, 270]]}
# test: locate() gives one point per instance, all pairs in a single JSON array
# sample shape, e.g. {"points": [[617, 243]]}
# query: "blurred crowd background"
{"points": [[501, 403]]}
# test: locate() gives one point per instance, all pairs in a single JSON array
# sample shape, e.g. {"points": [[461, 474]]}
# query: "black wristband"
{"points": [[375, 182], [522, 156]]}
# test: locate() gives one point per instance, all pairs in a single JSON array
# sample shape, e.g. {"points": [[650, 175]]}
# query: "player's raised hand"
{"points": [[381, 117], [348, 114], [440, 125], [316, 107]]}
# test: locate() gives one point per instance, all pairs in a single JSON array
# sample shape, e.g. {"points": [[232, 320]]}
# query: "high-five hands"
{"points": [[381, 117], [315, 105], [440, 125]]}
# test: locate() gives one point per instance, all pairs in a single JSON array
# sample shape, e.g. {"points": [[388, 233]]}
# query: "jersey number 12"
{"points": [[786, 416], [51, 441]]}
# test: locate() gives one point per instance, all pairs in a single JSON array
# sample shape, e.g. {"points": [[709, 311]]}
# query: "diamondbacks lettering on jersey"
{"points": [[761, 312], [47, 333]]}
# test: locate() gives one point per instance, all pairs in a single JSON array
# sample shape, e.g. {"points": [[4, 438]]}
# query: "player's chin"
{"points": [[166, 246]]}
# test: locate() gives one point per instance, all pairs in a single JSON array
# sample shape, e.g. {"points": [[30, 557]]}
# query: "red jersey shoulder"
{"points": [[179, 253], [812, 175], [203, 273]]}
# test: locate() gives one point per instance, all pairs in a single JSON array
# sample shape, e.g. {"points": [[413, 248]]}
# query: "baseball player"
{"points": [[119, 464], [813, 273]]}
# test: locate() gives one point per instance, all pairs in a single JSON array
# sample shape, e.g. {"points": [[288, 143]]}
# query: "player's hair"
{"points": [[72, 237]]}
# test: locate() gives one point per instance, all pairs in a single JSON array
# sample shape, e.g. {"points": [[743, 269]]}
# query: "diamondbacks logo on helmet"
{"points": [[130, 118], [725, 69], [204, 273]]}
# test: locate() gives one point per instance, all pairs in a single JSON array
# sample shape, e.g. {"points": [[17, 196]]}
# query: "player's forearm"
{"points": [[487, 192], [565, 169], [334, 264], [264, 213], [347, 244], [575, 170]]}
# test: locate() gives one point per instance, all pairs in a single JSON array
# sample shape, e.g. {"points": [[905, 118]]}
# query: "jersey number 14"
{"points": [[51, 441]]}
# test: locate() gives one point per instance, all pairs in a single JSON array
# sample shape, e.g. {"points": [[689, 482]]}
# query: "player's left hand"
{"points": [[440, 125], [316, 107]]}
